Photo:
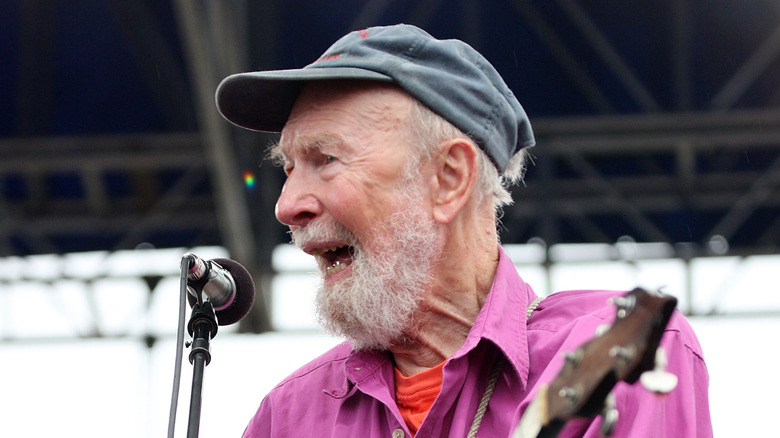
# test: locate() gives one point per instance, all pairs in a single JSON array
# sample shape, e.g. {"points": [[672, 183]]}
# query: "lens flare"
{"points": [[249, 180]]}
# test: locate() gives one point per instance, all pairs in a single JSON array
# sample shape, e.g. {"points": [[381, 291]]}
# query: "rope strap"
{"points": [[491, 386]]}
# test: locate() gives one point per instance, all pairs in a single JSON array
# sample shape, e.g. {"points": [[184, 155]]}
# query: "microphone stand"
{"points": [[202, 327]]}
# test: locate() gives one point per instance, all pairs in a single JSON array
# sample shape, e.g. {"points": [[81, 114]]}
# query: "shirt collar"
{"points": [[502, 319]]}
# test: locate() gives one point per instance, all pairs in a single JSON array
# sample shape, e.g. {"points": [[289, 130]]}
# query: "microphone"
{"points": [[225, 283]]}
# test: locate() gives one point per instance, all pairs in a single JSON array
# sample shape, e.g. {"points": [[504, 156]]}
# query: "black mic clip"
{"points": [[202, 327]]}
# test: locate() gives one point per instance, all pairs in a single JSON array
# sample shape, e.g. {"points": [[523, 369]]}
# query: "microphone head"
{"points": [[245, 293]]}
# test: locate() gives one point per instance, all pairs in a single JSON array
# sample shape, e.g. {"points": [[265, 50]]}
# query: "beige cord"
{"points": [[491, 386]]}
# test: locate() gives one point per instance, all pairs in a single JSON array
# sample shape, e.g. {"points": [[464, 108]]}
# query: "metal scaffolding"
{"points": [[668, 166]]}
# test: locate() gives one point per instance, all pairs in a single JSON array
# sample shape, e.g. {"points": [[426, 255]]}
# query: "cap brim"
{"points": [[262, 101]]}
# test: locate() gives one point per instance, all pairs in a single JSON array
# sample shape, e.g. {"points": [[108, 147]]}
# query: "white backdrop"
{"points": [[55, 385]]}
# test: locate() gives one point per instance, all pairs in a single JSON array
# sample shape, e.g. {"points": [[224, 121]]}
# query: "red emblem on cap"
{"points": [[332, 57]]}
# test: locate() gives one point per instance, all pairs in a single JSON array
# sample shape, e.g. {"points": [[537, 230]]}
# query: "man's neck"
{"points": [[449, 309]]}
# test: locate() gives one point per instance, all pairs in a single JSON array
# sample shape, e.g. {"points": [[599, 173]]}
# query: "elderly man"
{"points": [[398, 150]]}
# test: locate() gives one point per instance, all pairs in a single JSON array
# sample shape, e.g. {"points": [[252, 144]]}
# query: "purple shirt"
{"points": [[351, 394]]}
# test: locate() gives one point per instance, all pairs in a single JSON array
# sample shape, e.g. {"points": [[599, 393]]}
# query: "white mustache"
{"points": [[322, 231]]}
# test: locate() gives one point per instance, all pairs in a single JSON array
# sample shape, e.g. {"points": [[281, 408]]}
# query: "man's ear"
{"points": [[456, 175]]}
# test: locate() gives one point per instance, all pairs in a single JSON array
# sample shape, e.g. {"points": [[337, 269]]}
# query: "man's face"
{"points": [[351, 202]]}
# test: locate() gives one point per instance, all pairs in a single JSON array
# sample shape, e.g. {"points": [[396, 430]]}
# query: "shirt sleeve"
{"points": [[261, 424]]}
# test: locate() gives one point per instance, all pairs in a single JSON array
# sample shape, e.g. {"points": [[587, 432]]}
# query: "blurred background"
{"points": [[657, 164]]}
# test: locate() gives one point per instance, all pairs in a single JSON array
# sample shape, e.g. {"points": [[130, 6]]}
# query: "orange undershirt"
{"points": [[415, 394]]}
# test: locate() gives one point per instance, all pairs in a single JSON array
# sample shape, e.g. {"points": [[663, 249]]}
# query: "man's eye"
{"points": [[329, 158]]}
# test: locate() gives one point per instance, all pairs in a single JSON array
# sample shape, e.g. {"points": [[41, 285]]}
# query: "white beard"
{"points": [[373, 306]]}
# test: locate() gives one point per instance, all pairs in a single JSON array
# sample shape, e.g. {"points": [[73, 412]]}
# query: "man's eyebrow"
{"points": [[308, 145], [276, 151], [320, 142]]}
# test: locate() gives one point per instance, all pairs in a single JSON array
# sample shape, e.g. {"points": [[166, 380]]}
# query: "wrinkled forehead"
{"points": [[328, 112]]}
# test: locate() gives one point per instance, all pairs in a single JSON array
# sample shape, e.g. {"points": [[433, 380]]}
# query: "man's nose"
{"points": [[297, 204]]}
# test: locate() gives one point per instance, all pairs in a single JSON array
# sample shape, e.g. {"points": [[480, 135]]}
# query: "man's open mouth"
{"points": [[335, 258]]}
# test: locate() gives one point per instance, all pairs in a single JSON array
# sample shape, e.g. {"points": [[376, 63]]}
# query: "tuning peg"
{"points": [[601, 329], [570, 394], [659, 380], [574, 358], [609, 415], [626, 354], [624, 304]]}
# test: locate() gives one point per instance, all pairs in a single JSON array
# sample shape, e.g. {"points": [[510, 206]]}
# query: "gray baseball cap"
{"points": [[448, 76]]}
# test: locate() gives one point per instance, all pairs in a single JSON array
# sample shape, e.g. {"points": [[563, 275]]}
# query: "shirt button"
{"points": [[398, 433]]}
